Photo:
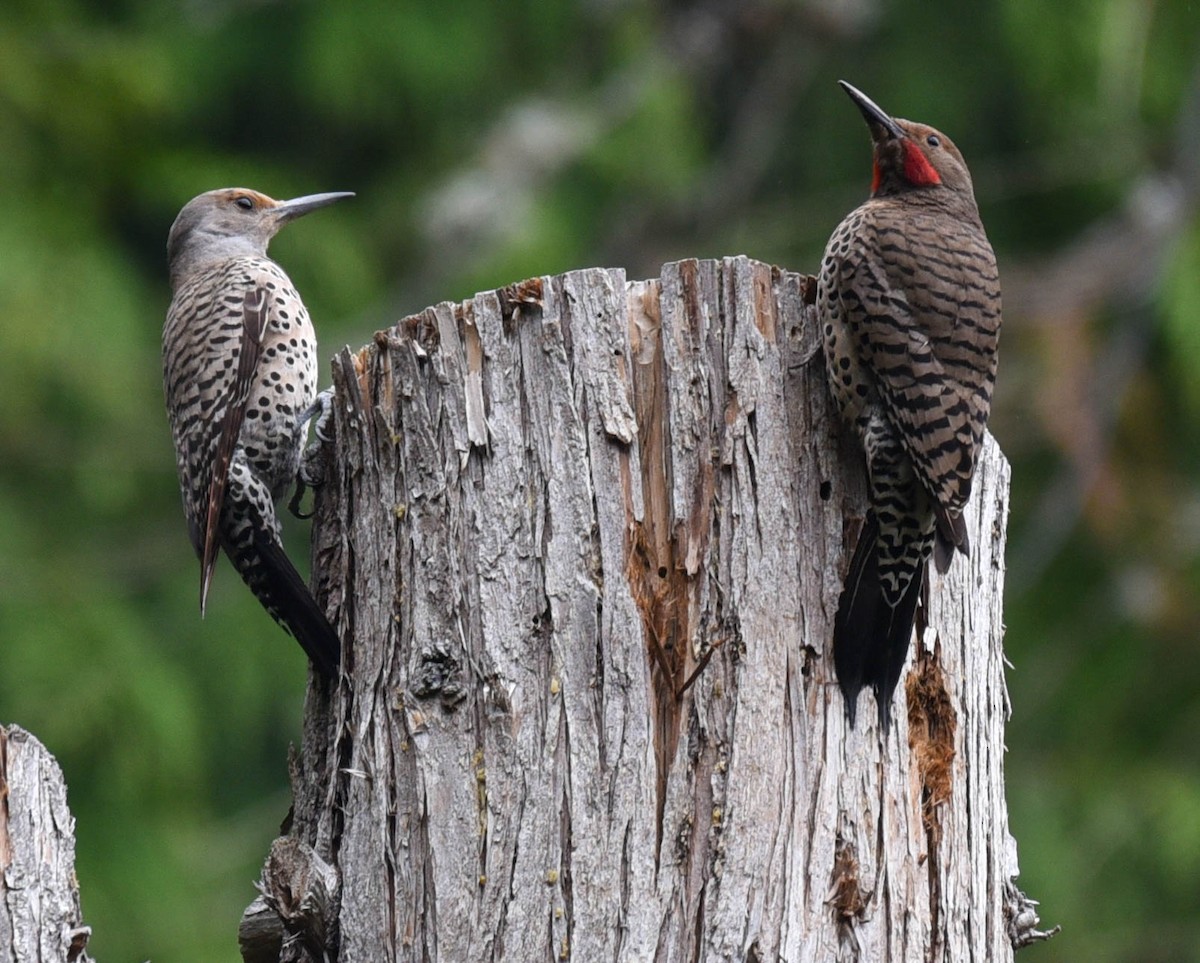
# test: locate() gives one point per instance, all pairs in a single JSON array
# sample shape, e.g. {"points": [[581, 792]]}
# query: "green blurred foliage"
{"points": [[490, 142]]}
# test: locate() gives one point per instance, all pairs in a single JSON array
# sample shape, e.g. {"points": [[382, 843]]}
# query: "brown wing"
{"points": [[926, 306], [255, 316]]}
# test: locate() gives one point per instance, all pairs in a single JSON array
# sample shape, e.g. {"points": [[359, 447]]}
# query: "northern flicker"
{"points": [[909, 301], [239, 376]]}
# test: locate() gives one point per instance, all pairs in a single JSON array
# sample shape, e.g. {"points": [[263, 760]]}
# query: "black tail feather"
{"points": [[284, 594], [950, 534], [870, 638]]}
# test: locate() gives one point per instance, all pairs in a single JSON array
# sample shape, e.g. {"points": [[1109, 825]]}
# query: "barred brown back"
{"points": [[909, 298]]}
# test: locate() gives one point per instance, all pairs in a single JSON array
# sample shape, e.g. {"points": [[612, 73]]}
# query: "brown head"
{"points": [[232, 221], [911, 157]]}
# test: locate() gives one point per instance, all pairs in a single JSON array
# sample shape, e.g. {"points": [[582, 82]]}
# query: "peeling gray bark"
{"points": [[584, 539], [40, 917]]}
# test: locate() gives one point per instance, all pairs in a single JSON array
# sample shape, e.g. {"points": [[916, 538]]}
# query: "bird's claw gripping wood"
{"points": [[311, 473], [239, 368], [322, 427], [909, 301], [302, 486]]}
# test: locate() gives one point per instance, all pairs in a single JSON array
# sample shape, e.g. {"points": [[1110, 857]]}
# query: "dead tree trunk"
{"points": [[584, 539], [40, 918]]}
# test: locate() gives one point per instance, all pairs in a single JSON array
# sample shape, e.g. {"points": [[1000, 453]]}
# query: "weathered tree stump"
{"points": [[584, 539], [40, 916]]}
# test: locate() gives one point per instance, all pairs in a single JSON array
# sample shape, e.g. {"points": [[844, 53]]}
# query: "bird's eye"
{"points": [[933, 140], [245, 203]]}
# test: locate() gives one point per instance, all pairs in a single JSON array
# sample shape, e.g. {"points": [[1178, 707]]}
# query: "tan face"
{"points": [[939, 153], [231, 212]]}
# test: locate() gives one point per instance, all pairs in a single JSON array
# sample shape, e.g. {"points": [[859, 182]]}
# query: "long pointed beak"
{"points": [[882, 126], [298, 206]]}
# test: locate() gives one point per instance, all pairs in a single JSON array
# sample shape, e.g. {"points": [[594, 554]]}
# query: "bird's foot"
{"points": [[311, 473], [323, 409], [297, 496]]}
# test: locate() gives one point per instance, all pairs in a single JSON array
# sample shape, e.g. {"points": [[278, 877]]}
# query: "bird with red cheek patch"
{"points": [[909, 301]]}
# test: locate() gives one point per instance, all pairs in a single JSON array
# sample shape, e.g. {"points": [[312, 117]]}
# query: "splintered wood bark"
{"points": [[40, 917], [585, 539]]}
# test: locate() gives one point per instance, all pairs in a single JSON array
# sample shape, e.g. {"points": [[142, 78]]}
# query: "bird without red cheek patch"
{"points": [[917, 169]]}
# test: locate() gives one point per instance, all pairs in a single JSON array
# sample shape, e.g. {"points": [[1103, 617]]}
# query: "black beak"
{"points": [[882, 126], [297, 206]]}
